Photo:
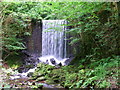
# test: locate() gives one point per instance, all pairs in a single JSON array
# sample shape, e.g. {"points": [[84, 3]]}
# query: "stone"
{"points": [[30, 74], [67, 61], [40, 79], [52, 60], [47, 62]]}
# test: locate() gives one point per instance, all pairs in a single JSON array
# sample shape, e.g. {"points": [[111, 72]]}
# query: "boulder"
{"points": [[52, 60]]}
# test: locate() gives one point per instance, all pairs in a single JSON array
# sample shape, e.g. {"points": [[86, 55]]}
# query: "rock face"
{"points": [[29, 62], [34, 47], [34, 41]]}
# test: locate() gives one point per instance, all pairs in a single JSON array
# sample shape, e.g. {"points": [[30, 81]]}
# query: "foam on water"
{"points": [[22, 75], [50, 59]]}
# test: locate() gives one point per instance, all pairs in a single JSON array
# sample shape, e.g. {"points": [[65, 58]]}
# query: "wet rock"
{"points": [[52, 60], [47, 62], [29, 60], [30, 74], [59, 65], [22, 69], [56, 81], [23, 75], [66, 61], [47, 85], [15, 86]]}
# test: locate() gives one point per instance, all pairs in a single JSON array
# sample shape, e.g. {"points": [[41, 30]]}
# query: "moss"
{"points": [[40, 78], [36, 75], [50, 81], [44, 67]]}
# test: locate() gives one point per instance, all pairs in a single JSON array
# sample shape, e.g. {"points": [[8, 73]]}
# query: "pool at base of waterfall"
{"points": [[51, 60]]}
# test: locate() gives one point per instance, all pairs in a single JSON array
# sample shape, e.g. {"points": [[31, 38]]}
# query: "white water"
{"points": [[23, 75], [47, 60], [53, 38]]}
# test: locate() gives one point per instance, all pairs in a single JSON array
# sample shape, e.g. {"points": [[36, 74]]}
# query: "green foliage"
{"points": [[94, 30], [94, 75], [14, 61], [94, 26]]}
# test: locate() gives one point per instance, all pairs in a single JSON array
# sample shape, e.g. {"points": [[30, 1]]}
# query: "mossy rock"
{"points": [[50, 81], [36, 75], [40, 79], [39, 65], [46, 66], [54, 75]]}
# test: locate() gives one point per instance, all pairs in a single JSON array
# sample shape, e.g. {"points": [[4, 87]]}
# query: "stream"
{"points": [[24, 80], [27, 82]]}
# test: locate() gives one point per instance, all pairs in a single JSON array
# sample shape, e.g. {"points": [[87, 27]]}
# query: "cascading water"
{"points": [[53, 40]]}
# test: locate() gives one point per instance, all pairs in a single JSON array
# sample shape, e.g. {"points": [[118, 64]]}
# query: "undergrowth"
{"points": [[12, 61], [97, 74]]}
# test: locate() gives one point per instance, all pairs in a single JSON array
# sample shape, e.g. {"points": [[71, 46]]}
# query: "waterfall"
{"points": [[54, 42], [53, 38], [53, 46]]}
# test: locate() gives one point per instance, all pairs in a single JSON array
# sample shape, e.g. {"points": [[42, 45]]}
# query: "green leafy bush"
{"points": [[94, 75]]}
